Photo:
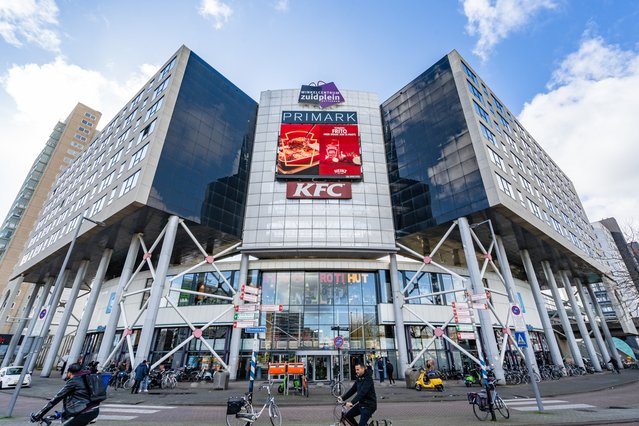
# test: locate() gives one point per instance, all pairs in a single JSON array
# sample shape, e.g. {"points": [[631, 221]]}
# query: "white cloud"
{"points": [[494, 20], [34, 21], [281, 5], [587, 123], [216, 9], [43, 95]]}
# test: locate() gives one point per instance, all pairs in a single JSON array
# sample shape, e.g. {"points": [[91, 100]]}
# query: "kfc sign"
{"points": [[319, 190]]}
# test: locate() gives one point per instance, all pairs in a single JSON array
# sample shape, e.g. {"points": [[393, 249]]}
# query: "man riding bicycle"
{"points": [[364, 404], [78, 408]]}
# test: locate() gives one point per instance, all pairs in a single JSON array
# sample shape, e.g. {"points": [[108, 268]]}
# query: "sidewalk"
{"points": [[203, 394]]}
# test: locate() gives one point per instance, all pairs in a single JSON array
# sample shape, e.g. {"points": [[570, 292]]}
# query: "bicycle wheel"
{"points": [[129, 383], [481, 415], [275, 415], [336, 389], [501, 406]]}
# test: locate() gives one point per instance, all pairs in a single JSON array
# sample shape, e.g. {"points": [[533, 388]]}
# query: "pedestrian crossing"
{"points": [[127, 412], [530, 404]]}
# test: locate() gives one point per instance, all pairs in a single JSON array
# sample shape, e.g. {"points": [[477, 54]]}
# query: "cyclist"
{"points": [[78, 408], [364, 404]]}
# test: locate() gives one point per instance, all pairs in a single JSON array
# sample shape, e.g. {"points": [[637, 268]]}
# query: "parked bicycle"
{"points": [[240, 410], [481, 407], [337, 387], [339, 415]]}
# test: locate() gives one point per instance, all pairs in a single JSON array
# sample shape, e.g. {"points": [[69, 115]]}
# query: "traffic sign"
{"points": [[43, 313], [244, 324], [249, 297], [520, 338], [271, 308], [515, 310], [475, 297], [519, 322], [482, 306], [339, 341], [463, 312], [245, 308], [463, 335], [464, 320], [249, 289], [464, 327], [245, 315], [261, 329]]}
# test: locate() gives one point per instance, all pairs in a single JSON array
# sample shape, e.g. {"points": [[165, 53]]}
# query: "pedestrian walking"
{"points": [[390, 370], [141, 371], [380, 369]]}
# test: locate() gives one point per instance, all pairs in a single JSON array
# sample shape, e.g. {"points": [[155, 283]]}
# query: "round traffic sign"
{"points": [[43, 313], [339, 341], [516, 310]]}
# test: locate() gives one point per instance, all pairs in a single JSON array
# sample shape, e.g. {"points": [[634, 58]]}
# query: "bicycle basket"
{"points": [[234, 405]]}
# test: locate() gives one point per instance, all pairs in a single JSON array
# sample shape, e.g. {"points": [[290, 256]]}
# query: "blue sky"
{"points": [[569, 69]]}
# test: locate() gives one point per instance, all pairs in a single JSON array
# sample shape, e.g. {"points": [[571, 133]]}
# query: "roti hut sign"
{"points": [[320, 94]]}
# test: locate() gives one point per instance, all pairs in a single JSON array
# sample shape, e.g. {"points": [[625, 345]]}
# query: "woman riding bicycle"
{"points": [[364, 404]]}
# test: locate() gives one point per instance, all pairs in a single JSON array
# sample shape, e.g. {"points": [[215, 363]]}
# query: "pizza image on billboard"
{"points": [[319, 150]]}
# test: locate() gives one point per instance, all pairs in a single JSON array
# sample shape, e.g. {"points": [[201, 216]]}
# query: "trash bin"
{"points": [[221, 380], [106, 377], [411, 377]]}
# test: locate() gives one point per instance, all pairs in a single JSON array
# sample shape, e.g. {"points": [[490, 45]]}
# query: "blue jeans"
{"points": [[365, 414]]}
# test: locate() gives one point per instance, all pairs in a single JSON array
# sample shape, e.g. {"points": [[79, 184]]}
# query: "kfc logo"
{"points": [[319, 190]]}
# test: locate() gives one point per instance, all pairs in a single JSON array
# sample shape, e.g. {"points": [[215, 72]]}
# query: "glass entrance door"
{"points": [[321, 367]]}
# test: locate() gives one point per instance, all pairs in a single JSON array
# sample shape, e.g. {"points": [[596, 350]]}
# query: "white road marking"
{"points": [[127, 410], [120, 418], [151, 407], [555, 407], [544, 401]]}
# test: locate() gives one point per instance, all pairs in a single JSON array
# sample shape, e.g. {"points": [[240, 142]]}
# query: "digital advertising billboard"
{"points": [[322, 145]]}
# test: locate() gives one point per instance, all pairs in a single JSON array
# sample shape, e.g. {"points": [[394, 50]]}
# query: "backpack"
{"points": [[96, 387]]}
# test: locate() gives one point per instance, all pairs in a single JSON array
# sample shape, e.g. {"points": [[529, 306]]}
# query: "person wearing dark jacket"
{"points": [[141, 371], [364, 404], [78, 408]]}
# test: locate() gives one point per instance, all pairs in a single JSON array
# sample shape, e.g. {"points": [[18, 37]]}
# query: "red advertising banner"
{"points": [[319, 150]]}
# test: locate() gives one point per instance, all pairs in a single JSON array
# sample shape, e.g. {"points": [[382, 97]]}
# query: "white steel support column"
{"points": [[551, 340], [96, 286], [157, 290], [61, 331], [52, 305], [28, 338], [487, 333], [12, 287], [512, 294], [593, 322], [594, 360], [604, 326], [236, 334], [21, 325], [563, 317], [398, 304], [114, 317]]}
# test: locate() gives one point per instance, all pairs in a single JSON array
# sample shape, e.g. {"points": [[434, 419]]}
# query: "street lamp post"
{"points": [[45, 329]]}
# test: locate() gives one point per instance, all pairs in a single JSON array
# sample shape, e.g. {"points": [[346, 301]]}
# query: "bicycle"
{"points": [[339, 415], [240, 410], [47, 420], [337, 387], [479, 401]]}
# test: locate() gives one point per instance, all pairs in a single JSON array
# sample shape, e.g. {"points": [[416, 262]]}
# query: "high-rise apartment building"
{"points": [[67, 141]]}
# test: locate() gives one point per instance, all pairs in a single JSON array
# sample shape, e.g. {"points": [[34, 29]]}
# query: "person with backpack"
{"points": [[82, 394]]}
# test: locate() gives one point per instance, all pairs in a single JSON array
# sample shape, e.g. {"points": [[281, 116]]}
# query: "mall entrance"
{"points": [[320, 365]]}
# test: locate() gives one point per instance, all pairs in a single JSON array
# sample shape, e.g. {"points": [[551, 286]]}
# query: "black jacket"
{"points": [[365, 388], [75, 395]]}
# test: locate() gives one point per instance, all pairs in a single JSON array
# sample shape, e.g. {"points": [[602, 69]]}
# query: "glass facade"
{"points": [[202, 173], [433, 173]]}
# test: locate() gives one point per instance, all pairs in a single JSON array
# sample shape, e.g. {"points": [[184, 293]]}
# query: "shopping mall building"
{"points": [[345, 211]]}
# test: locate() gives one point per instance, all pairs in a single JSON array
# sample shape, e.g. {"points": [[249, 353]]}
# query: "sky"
{"points": [[568, 69]]}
